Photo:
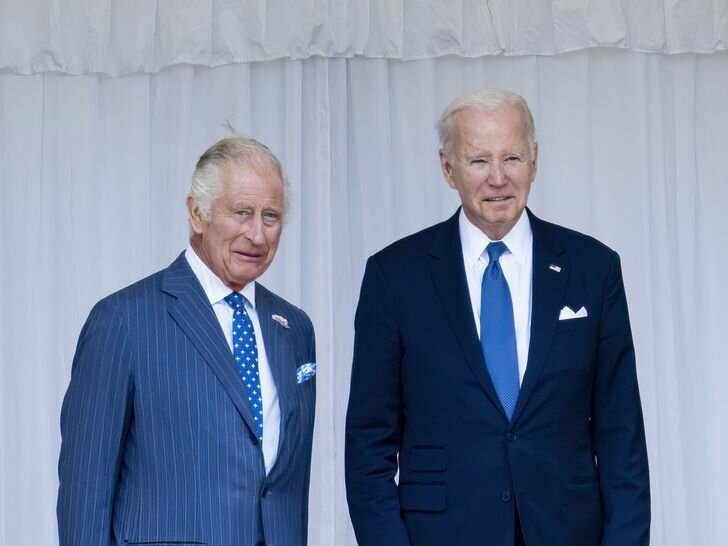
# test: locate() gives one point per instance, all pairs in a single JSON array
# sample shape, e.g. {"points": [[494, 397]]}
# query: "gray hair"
{"points": [[483, 99], [206, 184]]}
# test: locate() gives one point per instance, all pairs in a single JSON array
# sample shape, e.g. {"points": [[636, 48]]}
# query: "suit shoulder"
{"points": [[405, 249], [577, 241], [138, 290], [137, 294], [113, 312]]}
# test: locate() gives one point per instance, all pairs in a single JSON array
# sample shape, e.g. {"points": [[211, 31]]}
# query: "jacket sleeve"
{"points": [[94, 419], [619, 435], [374, 417]]}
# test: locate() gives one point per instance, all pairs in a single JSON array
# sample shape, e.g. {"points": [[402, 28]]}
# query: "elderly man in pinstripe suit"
{"points": [[189, 415]]}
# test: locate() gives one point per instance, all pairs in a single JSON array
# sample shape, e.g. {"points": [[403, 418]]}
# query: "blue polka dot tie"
{"points": [[245, 352], [497, 330]]}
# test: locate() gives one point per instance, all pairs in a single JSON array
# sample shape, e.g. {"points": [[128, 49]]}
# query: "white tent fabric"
{"points": [[113, 38], [94, 172]]}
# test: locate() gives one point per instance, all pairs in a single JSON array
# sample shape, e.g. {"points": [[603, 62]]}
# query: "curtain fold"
{"points": [[115, 38], [94, 172]]}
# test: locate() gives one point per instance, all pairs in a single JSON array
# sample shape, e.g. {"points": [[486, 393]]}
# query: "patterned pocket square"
{"points": [[305, 372]]}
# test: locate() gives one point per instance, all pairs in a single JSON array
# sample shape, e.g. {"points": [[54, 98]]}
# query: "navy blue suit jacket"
{"points": [[158, 440], [573, 458]]}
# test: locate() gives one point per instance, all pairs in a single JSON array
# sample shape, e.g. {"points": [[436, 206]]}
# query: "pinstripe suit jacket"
{"points": [[158, 441]]}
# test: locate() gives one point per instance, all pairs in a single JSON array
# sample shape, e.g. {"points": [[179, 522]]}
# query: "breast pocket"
{"points": [[575, 324], [574, 345]]}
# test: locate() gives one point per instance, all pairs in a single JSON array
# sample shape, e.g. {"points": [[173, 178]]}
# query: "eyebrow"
{"points": [[471, 157]]}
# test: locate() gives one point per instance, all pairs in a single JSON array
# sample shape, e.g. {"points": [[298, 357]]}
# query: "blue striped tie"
{"points": [[245, 351], [497, 331]]}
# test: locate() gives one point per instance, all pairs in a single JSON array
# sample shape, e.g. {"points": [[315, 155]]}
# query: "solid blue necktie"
{"points": [[245, 351], [497, 330]]}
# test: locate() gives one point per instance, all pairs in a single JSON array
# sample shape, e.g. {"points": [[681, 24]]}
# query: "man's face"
{"points": [[492, 166], [241, 236]]}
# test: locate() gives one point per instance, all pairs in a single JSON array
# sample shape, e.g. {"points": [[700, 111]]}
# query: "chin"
{"points": [[500, 220], [245, 279]]}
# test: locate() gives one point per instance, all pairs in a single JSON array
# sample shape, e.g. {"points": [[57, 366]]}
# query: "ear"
{"points": [[196, 220], [535, 156], [446, 166]]}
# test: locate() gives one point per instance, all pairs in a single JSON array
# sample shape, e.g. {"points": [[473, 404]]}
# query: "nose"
{"points": [[254, 229], [497, 174]]}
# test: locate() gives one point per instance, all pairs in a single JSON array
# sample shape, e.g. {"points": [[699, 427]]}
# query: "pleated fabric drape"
{"points": [[114, 38], [94, 171]]}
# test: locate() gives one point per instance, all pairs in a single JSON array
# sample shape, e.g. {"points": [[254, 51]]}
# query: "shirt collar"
{"points": [[214, 288], [474, 241]]}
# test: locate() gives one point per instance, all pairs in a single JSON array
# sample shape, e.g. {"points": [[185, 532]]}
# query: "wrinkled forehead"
{"points": [[505, 114], [237, 178], [256, 163], [501, 127]]}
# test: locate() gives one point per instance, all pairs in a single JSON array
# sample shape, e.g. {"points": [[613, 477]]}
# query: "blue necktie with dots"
{"points": [[497, 330], [245, 352]]}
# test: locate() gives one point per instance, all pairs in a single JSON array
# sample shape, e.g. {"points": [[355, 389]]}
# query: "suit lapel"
{"points": [[192, 312], [550, 273], [276, 339], [277, 349], [448, 275]]}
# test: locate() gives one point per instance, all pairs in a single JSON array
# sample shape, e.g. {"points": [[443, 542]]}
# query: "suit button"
{"points": [[512, 437], [267, 492], [506, 496]]}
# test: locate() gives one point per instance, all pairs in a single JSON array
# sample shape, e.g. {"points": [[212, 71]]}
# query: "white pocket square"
{"points": [[567, 313], [305, 372]]}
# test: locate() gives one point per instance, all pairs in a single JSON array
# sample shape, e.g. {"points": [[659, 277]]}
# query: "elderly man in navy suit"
{"points": [[189, 415], [494, 367]]}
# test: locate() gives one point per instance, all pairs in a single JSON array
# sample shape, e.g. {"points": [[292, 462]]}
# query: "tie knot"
{"points": [[234, 300], [495, 250]]}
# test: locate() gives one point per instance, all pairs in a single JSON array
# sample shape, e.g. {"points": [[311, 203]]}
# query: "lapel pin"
{"points": [[556, 268], [280, 320]]}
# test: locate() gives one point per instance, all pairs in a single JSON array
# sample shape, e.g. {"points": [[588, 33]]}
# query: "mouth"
{"points": [[249, 256], [496, 199]]}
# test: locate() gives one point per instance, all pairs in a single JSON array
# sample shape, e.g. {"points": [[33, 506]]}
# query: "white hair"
{"points": [[206, 184], [483, 99]]}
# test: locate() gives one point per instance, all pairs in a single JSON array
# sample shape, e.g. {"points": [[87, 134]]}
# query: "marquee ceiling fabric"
{"points": [[115, 38]]}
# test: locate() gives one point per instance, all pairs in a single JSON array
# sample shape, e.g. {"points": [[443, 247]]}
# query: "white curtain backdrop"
{"points": [[94, 171], [121, 37]]}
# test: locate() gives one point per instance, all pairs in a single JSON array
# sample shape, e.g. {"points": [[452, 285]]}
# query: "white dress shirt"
{"points": [[215, 290], [517, 265]]}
